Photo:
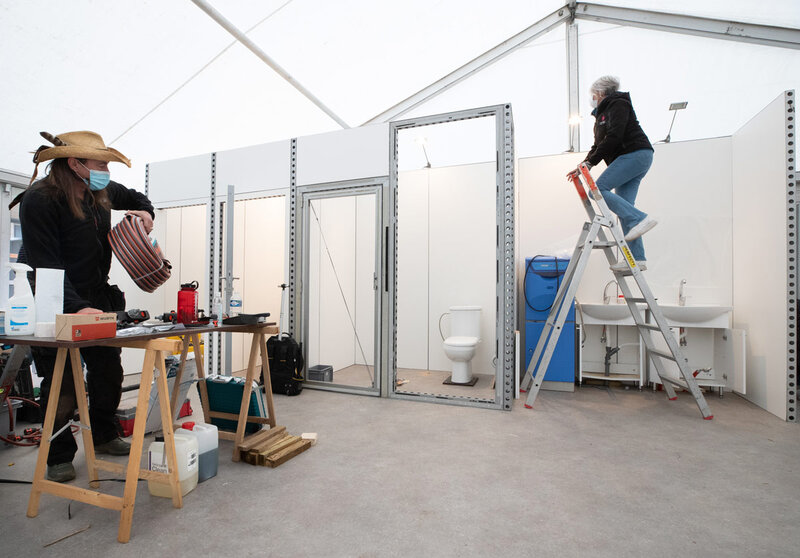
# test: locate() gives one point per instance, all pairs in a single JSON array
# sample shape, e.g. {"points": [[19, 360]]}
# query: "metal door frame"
{"points": [[506, 319], [300, 258]]}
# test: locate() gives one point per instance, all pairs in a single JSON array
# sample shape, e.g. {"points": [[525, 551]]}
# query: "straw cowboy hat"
{"points": [[81, 145]]}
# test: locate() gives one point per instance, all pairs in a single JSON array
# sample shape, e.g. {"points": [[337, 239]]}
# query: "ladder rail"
{"points": [[533, 381], [647, 294], [559, 311], [593, 236]]}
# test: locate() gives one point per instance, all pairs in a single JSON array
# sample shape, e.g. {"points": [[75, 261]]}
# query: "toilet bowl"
{"points": [[464, 337]]}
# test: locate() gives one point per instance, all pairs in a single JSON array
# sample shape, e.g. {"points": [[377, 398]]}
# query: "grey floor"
{"points": [[592, 473]]}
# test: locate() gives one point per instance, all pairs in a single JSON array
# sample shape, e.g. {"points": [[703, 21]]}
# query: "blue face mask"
{"points": [[97, 179]]}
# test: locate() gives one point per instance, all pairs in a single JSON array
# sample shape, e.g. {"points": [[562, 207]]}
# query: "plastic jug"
{"points": [[186, 450], [208, 447], [21, 315]]}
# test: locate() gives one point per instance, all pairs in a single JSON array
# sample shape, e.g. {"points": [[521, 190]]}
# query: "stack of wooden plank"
{"points": [[272, 447]]}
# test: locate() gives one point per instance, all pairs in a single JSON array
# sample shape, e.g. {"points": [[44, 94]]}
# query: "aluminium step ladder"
{"points": [[593, 237]]}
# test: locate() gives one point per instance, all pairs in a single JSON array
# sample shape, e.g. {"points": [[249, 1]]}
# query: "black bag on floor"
{"points": [[286, 364]]}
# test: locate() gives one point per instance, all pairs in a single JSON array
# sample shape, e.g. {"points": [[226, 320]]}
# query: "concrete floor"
{"points": [[592, 473]]}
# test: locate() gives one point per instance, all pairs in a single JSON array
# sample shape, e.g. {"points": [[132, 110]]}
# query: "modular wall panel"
{"points": [[257, 168], [687, 189], [180, 181], [343, 155], [760, 259]]}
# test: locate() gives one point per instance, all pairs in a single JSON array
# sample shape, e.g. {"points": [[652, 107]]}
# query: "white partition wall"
{"points": [[413, 320], [445, 258], [180, 181], [343, 155], [259, 245], [332, 239], [687, 189], [762, 305], [256, 169]]}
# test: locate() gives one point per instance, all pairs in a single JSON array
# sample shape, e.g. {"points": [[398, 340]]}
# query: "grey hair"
{"points": [[605, 85]]}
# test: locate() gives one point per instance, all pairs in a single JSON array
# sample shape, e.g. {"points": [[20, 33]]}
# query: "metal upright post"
{"points": [[573, 87], [228, 273]]}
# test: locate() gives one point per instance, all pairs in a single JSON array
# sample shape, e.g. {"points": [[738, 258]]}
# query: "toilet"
{"points": [[465, 322]]}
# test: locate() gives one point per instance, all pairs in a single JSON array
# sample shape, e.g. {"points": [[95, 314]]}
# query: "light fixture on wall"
{"points": [[423, 142], [675, 107]]}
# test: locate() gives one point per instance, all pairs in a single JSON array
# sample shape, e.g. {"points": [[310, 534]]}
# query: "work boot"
{"points": [[61, 472], [117, 446]]}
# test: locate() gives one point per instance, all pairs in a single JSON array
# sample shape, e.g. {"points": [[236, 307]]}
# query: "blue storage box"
{"points": [[225, 396]]}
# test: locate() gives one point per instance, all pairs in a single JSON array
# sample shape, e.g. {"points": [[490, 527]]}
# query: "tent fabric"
{"points": [[162, 80]]}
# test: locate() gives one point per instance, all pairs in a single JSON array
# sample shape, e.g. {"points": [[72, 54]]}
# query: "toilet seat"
{"points": [[461, 341]]}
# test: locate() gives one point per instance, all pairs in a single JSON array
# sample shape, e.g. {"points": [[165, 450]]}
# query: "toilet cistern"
{"points": [[460, 346]]}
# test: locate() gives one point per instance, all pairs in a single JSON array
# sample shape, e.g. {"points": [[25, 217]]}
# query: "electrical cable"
{"points": [[29, 439], [341, 290]]}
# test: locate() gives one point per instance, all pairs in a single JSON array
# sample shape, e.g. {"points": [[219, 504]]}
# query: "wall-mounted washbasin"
{"points": [[609, 314], [697, 316]]}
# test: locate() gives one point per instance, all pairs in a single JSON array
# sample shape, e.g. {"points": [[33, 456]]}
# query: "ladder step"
{"points": [[603, 245], [651, 327], [675, 382], [632, 299], [662, 354]]}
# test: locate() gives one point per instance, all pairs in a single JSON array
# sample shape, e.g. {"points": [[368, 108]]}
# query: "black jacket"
{"points": [[53, 237], [616, 130]]}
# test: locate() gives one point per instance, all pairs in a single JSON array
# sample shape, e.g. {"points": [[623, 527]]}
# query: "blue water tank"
{"points": [[543, 275]]}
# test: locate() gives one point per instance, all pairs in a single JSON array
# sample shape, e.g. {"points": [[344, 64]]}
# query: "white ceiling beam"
{"points": [[255, 49], [487, 58], [769, 35]]}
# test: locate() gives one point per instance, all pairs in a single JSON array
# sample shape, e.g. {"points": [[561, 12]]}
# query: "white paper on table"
{"points": [[49, 297]]}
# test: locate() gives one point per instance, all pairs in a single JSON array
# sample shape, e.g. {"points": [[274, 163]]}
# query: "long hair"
{"points": [[60, 182]]}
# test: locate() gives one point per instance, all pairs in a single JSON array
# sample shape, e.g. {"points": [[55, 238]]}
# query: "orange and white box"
{"points": [[83, 327]]}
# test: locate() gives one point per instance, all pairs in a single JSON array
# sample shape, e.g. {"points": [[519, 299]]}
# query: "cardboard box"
{"points": [[82, 327]]}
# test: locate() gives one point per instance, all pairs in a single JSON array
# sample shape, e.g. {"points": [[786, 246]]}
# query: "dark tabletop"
{"points": [[116, 341]]}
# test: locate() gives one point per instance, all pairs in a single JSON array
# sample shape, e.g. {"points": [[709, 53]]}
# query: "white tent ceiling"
{"points": [[161, 79]]}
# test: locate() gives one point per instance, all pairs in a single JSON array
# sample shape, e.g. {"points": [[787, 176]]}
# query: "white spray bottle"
{"points": [[21, 315]]}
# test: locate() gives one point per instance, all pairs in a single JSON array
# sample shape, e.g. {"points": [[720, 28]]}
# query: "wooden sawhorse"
{"points": [[155, 349], [258, 346]]}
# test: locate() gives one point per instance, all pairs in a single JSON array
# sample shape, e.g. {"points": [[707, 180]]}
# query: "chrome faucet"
{"points": [[682, 293], [606, 296]]}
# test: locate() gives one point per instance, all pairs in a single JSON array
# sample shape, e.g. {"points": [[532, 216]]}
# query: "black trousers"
{"points": [[103, 380]]}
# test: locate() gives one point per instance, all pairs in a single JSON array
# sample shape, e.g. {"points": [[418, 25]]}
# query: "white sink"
{"points": [[697, 316], [617, 314]]}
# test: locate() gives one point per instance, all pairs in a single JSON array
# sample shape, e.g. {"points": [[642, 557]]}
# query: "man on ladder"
{"points": [[628, 167]]}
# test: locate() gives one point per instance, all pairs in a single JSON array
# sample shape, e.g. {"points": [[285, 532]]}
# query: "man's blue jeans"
{"points": [[623, 176]]}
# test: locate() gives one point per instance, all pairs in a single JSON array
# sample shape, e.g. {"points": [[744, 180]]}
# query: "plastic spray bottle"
{"points": [[21, 315]]}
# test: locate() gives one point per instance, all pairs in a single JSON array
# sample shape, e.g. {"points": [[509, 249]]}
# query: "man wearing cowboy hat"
{"points": [[65, 218]]}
